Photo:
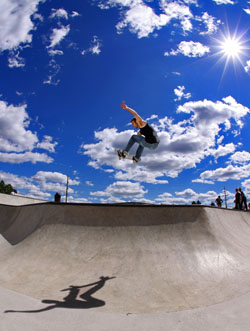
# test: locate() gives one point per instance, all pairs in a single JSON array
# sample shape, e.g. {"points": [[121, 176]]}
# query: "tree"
{"points": [[7, 189], [196, 203]]}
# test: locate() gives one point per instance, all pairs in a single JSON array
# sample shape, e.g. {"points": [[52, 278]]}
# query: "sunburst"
{"points": [[231, 48]]}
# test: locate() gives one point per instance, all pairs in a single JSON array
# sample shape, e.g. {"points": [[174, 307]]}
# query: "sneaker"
{"points": [[135, 160], [122, 154]]}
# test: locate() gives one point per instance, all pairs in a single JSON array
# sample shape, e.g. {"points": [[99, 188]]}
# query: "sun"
{"points": [[231, 47]]}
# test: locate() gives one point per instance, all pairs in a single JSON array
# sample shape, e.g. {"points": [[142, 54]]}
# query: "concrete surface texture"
{"points": [[18, 200], [119, 262]]}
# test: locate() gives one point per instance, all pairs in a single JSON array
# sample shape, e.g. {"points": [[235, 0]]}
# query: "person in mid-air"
{"points": [[146, 136]]}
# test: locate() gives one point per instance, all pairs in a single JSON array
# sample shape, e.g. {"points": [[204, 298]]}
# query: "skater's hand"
{"points": [[123, 105]]}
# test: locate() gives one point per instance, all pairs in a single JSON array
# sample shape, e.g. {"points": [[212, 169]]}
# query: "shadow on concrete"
{"points": [[71, 301]]}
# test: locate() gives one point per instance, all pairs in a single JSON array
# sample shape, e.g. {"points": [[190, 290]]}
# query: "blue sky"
{"points": [[183, 65]]}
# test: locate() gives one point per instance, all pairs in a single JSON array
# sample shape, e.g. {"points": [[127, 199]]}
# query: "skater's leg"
{"points": [[142, 143], [139, 152], [131, 142]]}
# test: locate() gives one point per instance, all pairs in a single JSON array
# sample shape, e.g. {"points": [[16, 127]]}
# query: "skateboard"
{"points": [[128, 156]]}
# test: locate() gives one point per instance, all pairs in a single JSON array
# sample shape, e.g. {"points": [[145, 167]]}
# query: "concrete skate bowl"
{"points": [[158, 258]]}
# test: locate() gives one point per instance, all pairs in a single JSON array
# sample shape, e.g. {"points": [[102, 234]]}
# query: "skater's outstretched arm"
{"points": [[133, 112]]}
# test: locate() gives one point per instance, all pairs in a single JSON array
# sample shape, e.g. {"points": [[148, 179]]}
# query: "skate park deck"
{"points": [[171, 267]]}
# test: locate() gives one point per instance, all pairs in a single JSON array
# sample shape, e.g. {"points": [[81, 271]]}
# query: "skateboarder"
{"points": [[146, 136]]}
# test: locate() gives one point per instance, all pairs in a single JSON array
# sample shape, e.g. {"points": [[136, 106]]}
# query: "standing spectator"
{"points": [[237, 199], [243, 199], [57, 197], [219, 201]]}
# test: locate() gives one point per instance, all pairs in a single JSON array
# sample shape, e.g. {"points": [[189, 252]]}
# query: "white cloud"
{"points": [[140, 175], [207, 112], [15, 61], [37, 194], [247, 10], [247, 67], [15, 22], [18, 158], [14, 135], [53, 52], [224, 2], [179, 92], [190, 49], [95, 48], [211, 24], [41, 185], [220, 139], [191, 2], [123, 189], [152, 117], [89, 183], [37, 16], [58, 35], [44, 176], [75, 14], [17, 142], [54, 69], [188, 193], [246, 186], [47, 144], [187, 197], [54, 182], [18, 182], [202, 181], [59, 13], [223, 150], [240, 157], [141, 19], [178, 11], [78, 200], [224, 174]]}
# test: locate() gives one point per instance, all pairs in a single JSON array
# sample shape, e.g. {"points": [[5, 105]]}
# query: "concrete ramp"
{"points": [[158, 258], [18, 222], [18, 200]]}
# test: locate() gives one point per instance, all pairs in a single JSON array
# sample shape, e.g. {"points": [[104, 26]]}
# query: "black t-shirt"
{"points": [[150, 134]]}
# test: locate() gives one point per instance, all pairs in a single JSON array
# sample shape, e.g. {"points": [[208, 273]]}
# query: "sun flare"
{"points": [[231, 50], [231, 47]]}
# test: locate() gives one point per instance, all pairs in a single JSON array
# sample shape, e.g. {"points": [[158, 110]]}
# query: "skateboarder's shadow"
{"points": [[71, 301]]}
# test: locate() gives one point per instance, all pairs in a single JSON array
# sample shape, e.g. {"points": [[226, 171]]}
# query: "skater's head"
{"points": [[134, 123]]}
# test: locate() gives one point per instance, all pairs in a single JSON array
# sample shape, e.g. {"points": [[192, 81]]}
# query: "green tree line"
{"points": [[7, 189]]}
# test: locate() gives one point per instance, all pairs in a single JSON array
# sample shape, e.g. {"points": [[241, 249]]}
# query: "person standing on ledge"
{"points": [[219, 201], [146, 136], [243, 199]]}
